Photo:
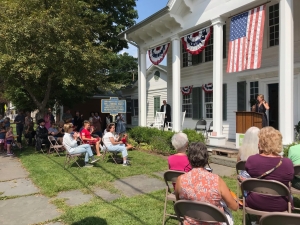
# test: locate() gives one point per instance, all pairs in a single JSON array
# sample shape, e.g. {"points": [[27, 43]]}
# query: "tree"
{"points": [[52, 51], [122, 71]]}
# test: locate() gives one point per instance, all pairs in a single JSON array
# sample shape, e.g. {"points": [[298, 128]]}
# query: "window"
{"points": [[274, 25], [253, 92], [156, 75], [135, 107], [209, 49], [186, 58], [208, 104], [187, 105], [156, 105]]}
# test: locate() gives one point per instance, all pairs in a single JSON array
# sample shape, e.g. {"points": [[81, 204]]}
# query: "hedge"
{"points": [[159, 141]]}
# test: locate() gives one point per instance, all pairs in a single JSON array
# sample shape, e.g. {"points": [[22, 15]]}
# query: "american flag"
{"points": [[246, 38]]}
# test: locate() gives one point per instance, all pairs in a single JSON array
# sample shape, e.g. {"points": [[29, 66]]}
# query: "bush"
{"points": [[160, 141], [287, 148]]}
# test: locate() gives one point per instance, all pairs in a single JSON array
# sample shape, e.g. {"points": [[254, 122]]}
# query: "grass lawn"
{"points": [[48, 174]]}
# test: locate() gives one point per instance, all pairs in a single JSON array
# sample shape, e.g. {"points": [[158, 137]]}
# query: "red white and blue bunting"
{"points": [[157, 54], [196, 42], [187, 90], [207, 88]]}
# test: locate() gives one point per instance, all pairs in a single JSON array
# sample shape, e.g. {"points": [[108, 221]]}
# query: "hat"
{"points": [[40, 121]]}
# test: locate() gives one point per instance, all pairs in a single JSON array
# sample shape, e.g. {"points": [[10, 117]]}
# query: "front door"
{"points": [[273, 103]]}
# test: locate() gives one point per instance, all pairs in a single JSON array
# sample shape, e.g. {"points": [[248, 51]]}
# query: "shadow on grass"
{"points": [[91, 221], [86, 221]]}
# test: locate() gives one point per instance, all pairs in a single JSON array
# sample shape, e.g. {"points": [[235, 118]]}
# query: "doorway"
{"points": [[273, 103]]}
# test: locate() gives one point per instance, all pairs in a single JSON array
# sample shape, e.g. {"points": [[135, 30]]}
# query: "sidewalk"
{"points": [[20, 200]]}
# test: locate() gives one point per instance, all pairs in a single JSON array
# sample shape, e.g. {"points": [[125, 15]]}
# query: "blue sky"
{"points": [[145, 9]]}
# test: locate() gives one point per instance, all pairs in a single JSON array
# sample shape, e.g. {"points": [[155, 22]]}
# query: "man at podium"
{"points": [[261, 107]]}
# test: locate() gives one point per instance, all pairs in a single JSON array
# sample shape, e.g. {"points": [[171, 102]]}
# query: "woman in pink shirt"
{"points": [[179, 161]]}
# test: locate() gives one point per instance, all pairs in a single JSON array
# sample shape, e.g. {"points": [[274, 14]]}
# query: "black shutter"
{"points": [[197, 103], [224, 101], [132, 107], [241, 96], [224, 41]]}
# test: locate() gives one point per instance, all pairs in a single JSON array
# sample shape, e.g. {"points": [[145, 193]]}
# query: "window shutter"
{"points": [[197, 103], [132, 107], [241, 96], [224, 101], [224, 41]]}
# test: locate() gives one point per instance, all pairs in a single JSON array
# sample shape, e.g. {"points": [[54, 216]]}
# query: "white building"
{"points": [[278, 78], [156, 92]]}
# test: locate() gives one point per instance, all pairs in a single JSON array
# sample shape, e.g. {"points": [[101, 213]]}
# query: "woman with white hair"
{"points": [[248, 148], [179, 161]]}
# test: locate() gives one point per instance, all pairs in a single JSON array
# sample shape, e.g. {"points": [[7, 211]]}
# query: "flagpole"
{"points": [[249, 9]]}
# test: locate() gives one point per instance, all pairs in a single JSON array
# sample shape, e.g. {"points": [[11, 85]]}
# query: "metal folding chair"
{"points": [[239, 166], [54, 145], [170, 177], [199, 211], [280, 218]]}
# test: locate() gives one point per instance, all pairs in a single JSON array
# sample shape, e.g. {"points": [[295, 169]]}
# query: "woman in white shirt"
{"points": [[114, 145], [71, 145]]}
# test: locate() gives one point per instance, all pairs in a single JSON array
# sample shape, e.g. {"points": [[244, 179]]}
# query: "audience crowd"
{"points": [[261, 150]]}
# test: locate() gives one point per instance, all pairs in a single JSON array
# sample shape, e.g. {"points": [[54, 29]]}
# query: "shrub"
{"points": [[287, 148], [160, 141]]}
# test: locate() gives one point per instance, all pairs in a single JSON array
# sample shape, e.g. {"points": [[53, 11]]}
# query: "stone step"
{"points": [[230, 153], [223, 160]]}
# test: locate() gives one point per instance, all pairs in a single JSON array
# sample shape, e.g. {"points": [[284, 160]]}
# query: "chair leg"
{"points": [[165, 207]]}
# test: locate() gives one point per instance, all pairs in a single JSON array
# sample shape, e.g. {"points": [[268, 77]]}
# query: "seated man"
{"points": [[41, 135], [88, 139], [52, 131]]}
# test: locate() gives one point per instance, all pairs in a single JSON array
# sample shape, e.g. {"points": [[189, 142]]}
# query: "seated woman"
{"points": [[270, 147], [201, 185], [70, 143], [294, 155], [29, 132], [87, 137], [113, 145], [179, 161], [248, 148]]}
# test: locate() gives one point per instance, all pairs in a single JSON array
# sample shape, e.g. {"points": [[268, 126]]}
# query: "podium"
{"points": [[245, 120]]}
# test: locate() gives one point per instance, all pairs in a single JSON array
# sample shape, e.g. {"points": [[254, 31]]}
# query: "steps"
{"points": [[223, 155]]}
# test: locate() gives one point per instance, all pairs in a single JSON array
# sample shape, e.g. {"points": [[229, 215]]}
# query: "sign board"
{"points": [[239, 139], [113, 106]]}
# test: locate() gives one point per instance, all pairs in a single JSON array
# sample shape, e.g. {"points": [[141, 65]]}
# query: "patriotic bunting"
{"points": [[207, 88], [187, 90], [196, 42], [156, 55]]}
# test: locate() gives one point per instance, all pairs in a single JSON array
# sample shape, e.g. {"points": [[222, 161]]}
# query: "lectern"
{"points": [[245, 120]]}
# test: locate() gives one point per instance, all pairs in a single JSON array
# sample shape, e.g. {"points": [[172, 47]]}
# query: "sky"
{"points": [[145, 9]]}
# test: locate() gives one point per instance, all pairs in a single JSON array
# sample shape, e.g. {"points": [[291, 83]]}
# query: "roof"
{"points": [[149, 19]]}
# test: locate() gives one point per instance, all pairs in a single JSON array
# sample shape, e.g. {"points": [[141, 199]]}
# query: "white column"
{"points": [[142, 88], [176, 109], [286, 70], [218, 76]]}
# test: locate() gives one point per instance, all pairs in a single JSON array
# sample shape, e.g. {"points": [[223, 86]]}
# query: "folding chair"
{"points": [[54, 145], [294, 190], [201, 126], [113, 155], [199, 211], [280, 218], [239, 166], [70, 158], [170, 177], [210, 128], [43, 145], [263, 187]]}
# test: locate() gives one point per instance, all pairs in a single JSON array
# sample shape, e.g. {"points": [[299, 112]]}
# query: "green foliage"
{"points": [[298, 127], [52, 51], [160, 141], [287, 148]]}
